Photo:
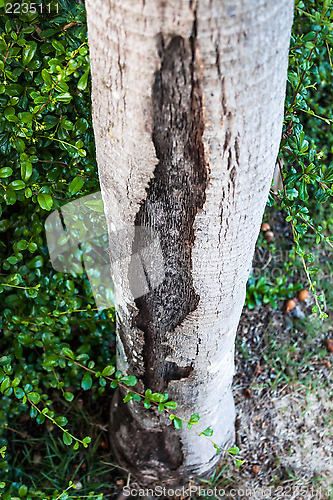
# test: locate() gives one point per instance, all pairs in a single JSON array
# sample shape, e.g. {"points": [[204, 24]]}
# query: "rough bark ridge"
{"points": [[187, 108], [174, 196]]}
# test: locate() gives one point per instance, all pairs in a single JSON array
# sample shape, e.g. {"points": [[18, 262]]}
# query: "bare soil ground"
{"points": [[284, 400]]}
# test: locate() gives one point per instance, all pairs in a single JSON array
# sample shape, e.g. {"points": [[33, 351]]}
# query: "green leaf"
{"points": [[59, 46], [45, 201], [234, 450], [303, 191], [40, 419], [19, 145], [5, 360], [5, 172], [62, 421], [65, 97], [69, 396], [23, 490], [207, 432], [128, 397], [129, 380], [22, 245], [10, 196], [157, 397], [239, 462], [86, 382], [32, 247], [194, 418], [19, 393], [14, 90], [17, 185], [171, 405], [177, 423], [34, 397], [5, 384], [26, 171], [76, 184], [81, 125], [108, 370], [47, 77], [67, 438], [50, 360], [82, 83], [31, 293], [147, 404], [28, 52], [68, 352]]}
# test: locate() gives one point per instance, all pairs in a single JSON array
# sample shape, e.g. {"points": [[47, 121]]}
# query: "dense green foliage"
{"points": [[305, 156], [48, 319], [47, 158]]}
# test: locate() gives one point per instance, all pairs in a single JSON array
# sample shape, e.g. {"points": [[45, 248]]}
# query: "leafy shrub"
{"points": [[47, 159], [307, 142]]}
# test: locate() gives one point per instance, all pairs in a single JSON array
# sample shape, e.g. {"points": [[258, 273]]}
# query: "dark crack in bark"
{"points": [[175, 195]]}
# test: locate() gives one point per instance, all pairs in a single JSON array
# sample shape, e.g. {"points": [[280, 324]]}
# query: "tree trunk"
{"points": [[187, 107]]}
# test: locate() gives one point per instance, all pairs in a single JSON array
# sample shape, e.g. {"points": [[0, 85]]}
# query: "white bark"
{"points": [[239, 62]]}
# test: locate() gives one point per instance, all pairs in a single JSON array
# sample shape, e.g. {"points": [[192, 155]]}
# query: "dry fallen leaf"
{"points": [[328, 343], [256, 469]]}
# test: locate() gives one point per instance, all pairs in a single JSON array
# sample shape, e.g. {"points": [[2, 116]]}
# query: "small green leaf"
{"points": [[207, 432], [86, 382], [171, 405], [82, 83], [129, 380], [65, 97], [62, 421], [239, 462], [67, 438], [28, 52], [34, 397], [5, 172], [234, 450], [69, 396], [177, 423], [68, 352], [45, 201], [76, 184], [23, 490], [194, 418], [40, 419], [26, 171], [47, 77], [147, 404], [17, 185], [108, 370]]}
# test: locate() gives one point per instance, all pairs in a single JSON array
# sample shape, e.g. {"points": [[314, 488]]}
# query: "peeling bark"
{"points": [[174, 196], [187, 108]]}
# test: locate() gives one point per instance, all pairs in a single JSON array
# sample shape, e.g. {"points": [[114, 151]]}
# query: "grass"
{"points": [[39, 458]]}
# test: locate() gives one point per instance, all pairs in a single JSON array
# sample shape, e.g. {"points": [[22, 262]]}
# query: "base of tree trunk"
{"points": [[153, 456]]}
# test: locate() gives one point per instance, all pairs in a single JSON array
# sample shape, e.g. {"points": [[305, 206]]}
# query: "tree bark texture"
{"points": [[187, 107]]}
